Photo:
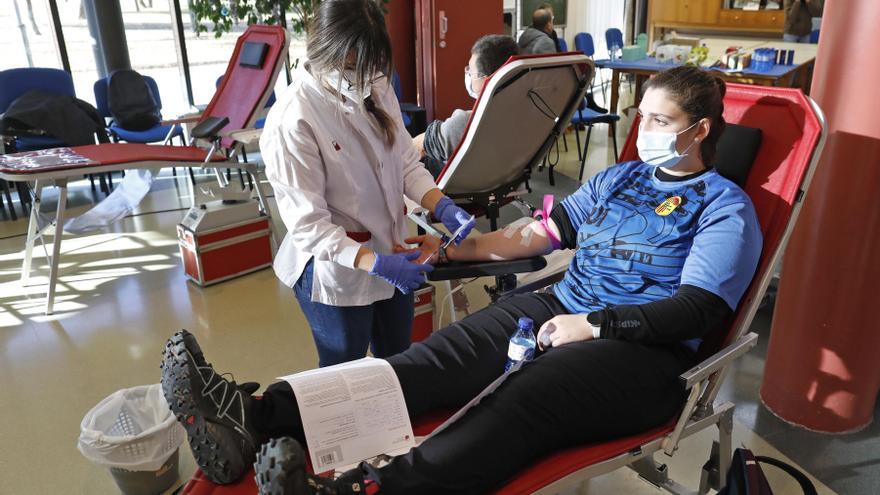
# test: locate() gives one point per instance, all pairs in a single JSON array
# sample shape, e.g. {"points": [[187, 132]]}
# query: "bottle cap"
{"points": [[526, 323]]}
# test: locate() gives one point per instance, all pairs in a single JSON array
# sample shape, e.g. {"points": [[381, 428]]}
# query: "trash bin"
{"points": [[134, 434]]}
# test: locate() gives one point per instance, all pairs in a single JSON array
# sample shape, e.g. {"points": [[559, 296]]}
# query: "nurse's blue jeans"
{"points": [[343, 333]]}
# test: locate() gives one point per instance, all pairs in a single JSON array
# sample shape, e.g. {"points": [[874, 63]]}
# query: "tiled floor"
{"points": [[122, 293]]}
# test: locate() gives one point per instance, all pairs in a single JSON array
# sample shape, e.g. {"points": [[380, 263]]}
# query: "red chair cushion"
{"points": [[548, 470]]}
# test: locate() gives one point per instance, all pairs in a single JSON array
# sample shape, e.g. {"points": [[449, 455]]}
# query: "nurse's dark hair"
{"points": [[353, 30], [701, 96], [492, 51]]}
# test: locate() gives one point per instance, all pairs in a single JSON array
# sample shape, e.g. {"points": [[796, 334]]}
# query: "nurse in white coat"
{"points": [[340, 161]]}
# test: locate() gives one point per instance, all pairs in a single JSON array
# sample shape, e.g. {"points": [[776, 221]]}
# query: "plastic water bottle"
{"points": [[522, 344], [614, 52]]}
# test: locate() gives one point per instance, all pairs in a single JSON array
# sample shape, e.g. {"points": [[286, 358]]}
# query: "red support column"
{"points": [[823, 363]]}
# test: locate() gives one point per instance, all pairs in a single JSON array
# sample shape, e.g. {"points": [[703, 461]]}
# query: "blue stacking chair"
{"points": [[16, 82], [814, 36], [398, 91], [586, 117], [155, 134], [613, 36], [563, 45], [583, 42], [412, 114]]}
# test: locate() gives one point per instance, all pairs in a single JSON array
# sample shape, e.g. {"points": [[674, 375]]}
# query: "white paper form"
{"points": [[352, 412]]}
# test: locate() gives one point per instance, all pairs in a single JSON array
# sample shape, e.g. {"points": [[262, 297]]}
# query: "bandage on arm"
{"points": [[524, 238]]}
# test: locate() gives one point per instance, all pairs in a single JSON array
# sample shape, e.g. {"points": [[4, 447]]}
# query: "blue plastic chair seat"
{"points": [[34, 143], [156, 134], [588, 116]]}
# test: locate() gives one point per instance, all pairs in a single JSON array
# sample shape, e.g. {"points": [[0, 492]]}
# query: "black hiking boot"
{"points": [[214, 411], [281, 470]]}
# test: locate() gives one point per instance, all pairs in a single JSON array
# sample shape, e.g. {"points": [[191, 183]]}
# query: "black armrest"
{"points": [[470, 269], [209, 127]]}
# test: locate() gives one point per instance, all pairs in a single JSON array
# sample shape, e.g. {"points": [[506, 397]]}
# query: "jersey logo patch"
{"points": [[668, 206]]}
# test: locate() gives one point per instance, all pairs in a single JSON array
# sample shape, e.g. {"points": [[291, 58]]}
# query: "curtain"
{"points": [[598, 16]]}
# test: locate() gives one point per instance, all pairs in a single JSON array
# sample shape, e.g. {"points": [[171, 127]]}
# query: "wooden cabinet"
{"points": [[689, 11], [766, 20], [708, 15], [700, 11]]}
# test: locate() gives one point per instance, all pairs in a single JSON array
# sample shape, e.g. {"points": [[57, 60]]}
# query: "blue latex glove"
{"points": [[400, 271], [453, 217]]}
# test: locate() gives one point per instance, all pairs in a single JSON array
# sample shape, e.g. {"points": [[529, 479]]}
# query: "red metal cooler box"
{"points": [[222, 240], [423, 320]]}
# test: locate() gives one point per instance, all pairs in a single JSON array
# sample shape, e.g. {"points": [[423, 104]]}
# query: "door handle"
{"points": [[444, 28]]}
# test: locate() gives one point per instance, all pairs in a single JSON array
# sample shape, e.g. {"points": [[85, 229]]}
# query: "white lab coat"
{"points": [[333, 173]]}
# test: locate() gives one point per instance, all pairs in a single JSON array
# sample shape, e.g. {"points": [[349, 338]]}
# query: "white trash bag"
{"points": [[132, 429]]}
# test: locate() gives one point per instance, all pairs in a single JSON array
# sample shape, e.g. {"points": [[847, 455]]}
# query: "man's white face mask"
{"points": [[468, 87], [469, 84], [344, 83], [657, 148]]}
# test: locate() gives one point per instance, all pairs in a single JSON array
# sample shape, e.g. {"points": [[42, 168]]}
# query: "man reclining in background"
{"points": [[442, 136]]}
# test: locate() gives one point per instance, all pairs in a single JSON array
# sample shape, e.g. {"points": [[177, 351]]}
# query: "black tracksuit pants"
{"points": [[581, 392]]}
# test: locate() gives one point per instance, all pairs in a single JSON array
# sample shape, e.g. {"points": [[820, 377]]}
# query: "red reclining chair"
{"points": [[792, 134], [224, 125]]}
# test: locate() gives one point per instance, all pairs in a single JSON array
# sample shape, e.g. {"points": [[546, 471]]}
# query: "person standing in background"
{"points": [[799, 19]]}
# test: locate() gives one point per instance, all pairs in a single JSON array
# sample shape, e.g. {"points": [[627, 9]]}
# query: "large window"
{"points": [[81, 48], [149, 32], [27, 39]]}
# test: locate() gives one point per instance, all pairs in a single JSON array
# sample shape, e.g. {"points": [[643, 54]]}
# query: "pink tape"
{"points": [[544, 218]]}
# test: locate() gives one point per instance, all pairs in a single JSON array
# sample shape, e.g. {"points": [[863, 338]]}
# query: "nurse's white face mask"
{"points": [[657, 148], [344, 83]]}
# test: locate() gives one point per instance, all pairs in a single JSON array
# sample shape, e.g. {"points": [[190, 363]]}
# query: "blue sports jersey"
{"points": [[639, 239]]}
